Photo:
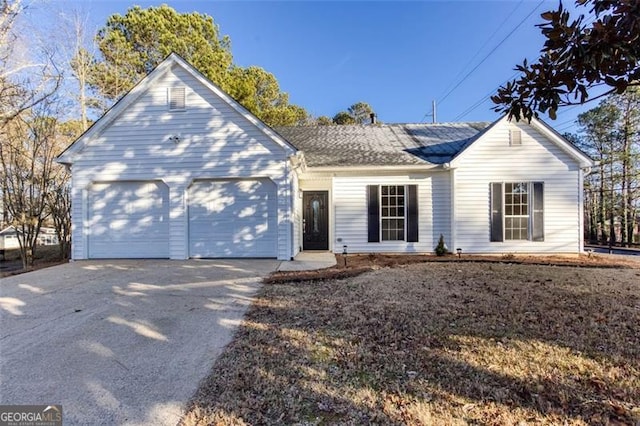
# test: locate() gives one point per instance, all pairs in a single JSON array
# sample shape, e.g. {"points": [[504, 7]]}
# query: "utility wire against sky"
{"points": [[479, 102], [488, 96], [491, 52], [498, 28]]}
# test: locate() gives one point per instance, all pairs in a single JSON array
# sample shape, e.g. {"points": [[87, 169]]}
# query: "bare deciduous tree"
{"points": [[59, 209], [25, 79], [27, 160], [29, 80], [78, 56]]}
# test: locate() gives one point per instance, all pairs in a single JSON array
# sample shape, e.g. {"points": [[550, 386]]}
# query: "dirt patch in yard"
{"points": [[353, 265], [435, 343]]}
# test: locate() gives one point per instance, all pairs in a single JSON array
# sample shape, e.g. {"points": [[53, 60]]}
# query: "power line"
{"points": [[481, 101], [488, 95], [498, 28], [563, 129], [491, 52]]}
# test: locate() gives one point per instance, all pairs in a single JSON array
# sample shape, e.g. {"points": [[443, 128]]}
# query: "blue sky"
{"points": [[397, 56]]}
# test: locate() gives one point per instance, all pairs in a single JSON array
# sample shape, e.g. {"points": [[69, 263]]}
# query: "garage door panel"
{"points": [[232, 218], [129, 220]]}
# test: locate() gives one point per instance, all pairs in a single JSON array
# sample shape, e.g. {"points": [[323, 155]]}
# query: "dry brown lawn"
{"points": [[435, 343]]}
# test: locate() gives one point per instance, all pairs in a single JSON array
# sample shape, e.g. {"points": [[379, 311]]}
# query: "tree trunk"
{"points": [[603, 208], [626, 139], [593, 219]]}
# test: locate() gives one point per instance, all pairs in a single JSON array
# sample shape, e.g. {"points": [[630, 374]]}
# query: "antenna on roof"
{"points": [[433, 112]]}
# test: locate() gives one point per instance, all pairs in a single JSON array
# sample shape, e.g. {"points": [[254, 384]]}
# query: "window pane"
{"points": [[516, 211], [392, 212]]}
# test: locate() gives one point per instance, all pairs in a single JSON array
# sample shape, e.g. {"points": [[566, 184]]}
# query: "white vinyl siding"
{"points": [[232, 218], [216, 142], [537, 160], [350, 210], [128, 220]]}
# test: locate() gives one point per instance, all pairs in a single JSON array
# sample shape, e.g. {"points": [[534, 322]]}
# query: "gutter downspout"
{"points": [[581, 211], [292, 164], [452, 216]]}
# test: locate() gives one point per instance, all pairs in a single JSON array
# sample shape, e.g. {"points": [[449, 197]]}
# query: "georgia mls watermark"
{"points": [[30, 415]]}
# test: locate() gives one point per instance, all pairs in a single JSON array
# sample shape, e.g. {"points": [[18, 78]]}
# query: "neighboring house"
{"points": [[178, 169], [9, 237], [47, 237]]}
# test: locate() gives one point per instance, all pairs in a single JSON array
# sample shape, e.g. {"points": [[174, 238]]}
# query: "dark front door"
{"points": [[315, 221]]}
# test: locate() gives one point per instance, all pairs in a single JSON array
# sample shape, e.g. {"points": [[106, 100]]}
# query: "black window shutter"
{"points": [[538, 212], [496, 212], [373, 216], [412, 214]]}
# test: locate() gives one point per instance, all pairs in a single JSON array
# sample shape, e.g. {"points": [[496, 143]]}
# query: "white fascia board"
{"points": [[268, 131], [583, 160], [67, 156], [413, 168], [562, 143], [319, 172]]}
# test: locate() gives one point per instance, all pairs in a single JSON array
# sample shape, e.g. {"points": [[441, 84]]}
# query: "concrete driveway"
{"points": [[121, 341]]}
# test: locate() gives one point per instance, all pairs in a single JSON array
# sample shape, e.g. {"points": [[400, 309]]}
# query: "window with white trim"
{"points": [[392, 201], [392, 213], [177, 99], [517, 211]]}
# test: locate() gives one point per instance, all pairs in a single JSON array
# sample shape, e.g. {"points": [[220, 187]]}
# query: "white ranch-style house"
{"points": [[178, 169]]}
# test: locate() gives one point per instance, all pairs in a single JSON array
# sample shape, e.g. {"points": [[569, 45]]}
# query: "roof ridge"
{"points": [[444, 123], [381, 125]]}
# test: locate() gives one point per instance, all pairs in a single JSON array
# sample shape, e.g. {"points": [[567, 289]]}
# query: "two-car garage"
{"points": [[224, 218]]}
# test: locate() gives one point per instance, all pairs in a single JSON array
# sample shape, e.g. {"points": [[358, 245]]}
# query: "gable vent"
{"points": [[177, 98], [515, 138]]}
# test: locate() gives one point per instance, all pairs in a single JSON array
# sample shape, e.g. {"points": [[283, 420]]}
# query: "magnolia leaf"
{"points": [[547, 16]]}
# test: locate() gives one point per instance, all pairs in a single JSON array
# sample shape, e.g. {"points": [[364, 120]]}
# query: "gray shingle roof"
{"points": [[382, 144]]}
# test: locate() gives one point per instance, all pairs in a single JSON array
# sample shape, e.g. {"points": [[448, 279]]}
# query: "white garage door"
{"points": [[129, 220], [232, 218]]}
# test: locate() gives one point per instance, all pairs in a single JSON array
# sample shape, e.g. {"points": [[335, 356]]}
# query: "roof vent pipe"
{"points": [[373, 118]]}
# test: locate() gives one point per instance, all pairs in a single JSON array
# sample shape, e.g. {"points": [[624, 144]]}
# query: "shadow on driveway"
{"points": [[120, 341]]}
